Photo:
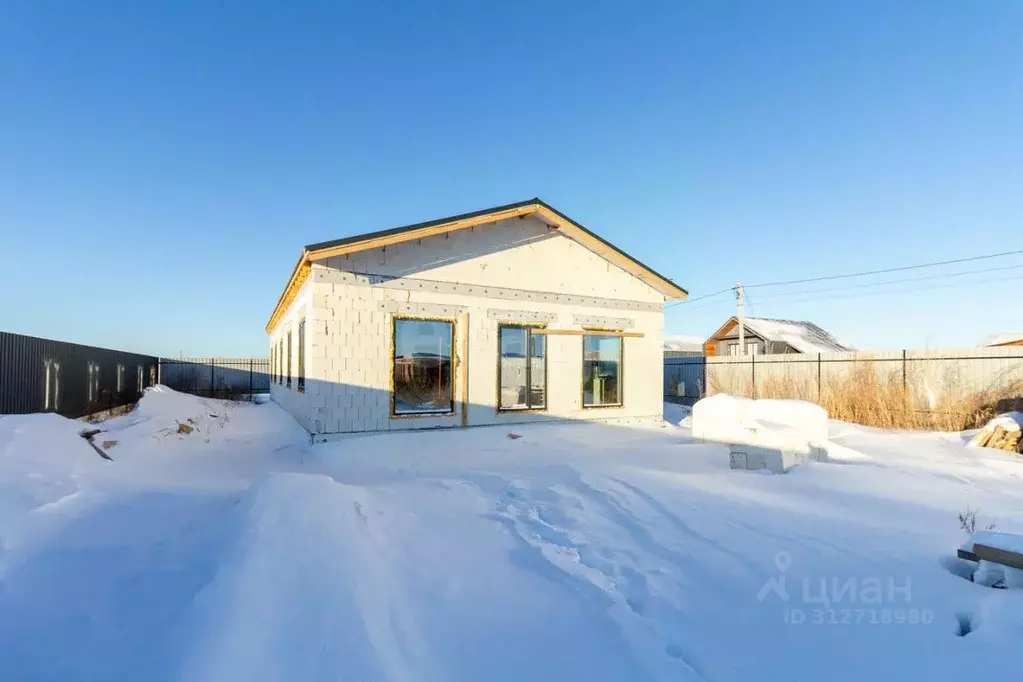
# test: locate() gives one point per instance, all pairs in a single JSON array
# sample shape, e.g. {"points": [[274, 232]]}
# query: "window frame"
{"points": [[300, 378], [529, 333], [395, 319], [621, 371], [288, 361]]}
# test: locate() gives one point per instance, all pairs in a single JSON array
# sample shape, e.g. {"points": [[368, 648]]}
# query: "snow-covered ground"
{"points": [[576, 552]]}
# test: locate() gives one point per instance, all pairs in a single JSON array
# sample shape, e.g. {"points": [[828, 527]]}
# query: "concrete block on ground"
{"points": [[755, 458]]}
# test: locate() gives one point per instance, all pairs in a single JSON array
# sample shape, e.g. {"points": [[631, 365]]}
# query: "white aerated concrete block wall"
{"points": [[298, 404], [515, 271]]}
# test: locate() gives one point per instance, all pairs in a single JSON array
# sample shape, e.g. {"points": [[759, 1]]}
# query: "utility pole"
{"points": [[738, 315]]}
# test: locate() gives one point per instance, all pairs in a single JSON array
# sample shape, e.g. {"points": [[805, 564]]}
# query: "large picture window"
{"points": [[522, 369], [423, 367], [602, 371]]}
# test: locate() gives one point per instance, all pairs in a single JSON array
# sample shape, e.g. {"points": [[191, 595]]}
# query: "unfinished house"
{"points": [[508, 315]]}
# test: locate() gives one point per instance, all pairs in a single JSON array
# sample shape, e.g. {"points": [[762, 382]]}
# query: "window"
{"points": [[423, 367], [140, 378], [522, 369], [120, 378], [752, 348], [301, 355], [280, 362], [289, 359], [602, 371]]}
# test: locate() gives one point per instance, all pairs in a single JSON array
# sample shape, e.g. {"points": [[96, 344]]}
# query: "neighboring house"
{"points": [[1008, 339], [683, 346], [511, 314], [764, 337]]}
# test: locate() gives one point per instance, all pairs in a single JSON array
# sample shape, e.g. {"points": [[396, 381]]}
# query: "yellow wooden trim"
{"points": [[298, 277], [409, 235], [463, 320], [574, 231], [709, 344], [587, 332], [668, 288]]}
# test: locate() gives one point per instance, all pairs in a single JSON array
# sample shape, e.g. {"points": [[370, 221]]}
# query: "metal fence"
{"points": [[685, 377], [216, 377], [929, 373], [42, 375]]}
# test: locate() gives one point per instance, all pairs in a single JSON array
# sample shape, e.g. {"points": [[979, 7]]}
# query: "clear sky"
{"points": [[162, 163]]}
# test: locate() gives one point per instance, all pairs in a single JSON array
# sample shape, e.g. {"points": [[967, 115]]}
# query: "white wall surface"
{"points": [[512, 271], [298, 404]]}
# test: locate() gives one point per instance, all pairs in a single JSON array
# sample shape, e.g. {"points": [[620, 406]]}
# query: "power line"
{"points": [[880, 272], [700, 298], [892, 281], [911, 290]]}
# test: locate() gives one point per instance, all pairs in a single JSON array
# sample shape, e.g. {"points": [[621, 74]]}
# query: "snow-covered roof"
{"points": [[691, 344], [805, 337], [1001, 339]]}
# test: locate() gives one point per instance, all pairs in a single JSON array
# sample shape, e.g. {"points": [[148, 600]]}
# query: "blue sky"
{"points": [[162, 163]]}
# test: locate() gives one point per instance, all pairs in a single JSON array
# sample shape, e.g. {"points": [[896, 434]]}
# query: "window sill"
{"points": [[514, 410], [422, 415], [603, 407]]}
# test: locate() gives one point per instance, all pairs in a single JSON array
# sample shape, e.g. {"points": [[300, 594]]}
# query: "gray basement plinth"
{"points": [[777, 460]]}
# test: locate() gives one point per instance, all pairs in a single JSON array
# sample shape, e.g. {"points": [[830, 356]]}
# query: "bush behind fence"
{"points": [[952, 388]]}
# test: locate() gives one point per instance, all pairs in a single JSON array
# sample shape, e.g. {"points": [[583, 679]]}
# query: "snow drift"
{"points": [[575, 552], [772, 423]]}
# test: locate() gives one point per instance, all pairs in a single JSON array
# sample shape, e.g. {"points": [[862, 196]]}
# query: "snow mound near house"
{"points": [[770, 423], [176, 421]]}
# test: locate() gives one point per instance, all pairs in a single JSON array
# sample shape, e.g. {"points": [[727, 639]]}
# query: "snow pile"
{"points": [[179, 422], [769, 423], [42, 458]]}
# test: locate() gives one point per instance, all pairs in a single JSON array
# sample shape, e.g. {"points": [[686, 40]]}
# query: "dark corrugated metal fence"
{"points": [[42, 375]]}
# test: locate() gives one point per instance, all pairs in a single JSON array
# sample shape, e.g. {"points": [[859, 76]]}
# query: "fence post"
{"points": [[903, 369], [753, 365], [818, 377], [250, 379], [212, 379]]}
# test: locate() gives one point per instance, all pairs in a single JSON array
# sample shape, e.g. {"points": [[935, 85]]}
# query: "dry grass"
{"points": [[863, 396]]}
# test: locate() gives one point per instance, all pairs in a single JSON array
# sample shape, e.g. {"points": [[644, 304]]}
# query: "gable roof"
{"points": [[805, 337], [535, 207]]}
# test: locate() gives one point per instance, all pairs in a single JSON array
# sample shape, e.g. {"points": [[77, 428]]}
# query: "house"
{"points": [[511, 314], [1004, 340], [764, 336], [683, 346]]}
